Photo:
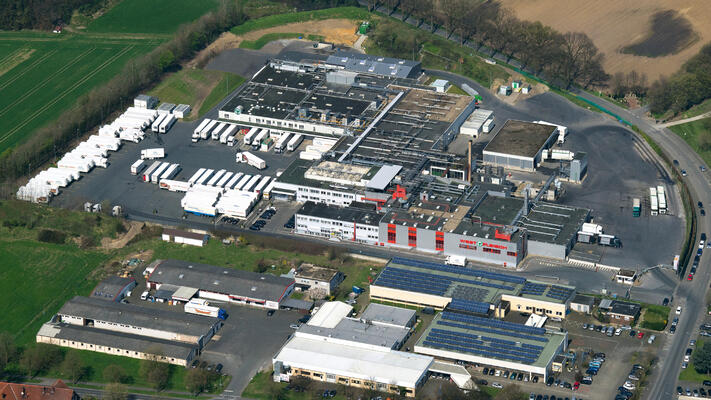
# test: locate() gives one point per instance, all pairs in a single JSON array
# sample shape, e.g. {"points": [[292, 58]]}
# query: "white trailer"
{"points": [[236, 177], [216, 177], [595, 229], [170, 172], [198, 130], [259, 188], [257, 141], [157, 122], [662, 198], [653, 201], [152, 154], [295, 142], [251, 159], [77, 164], [205, 176], [174, 185], [224, 137], [282, 142], [251, 183], [155, 176], [267, 194], [206, 130], [85, 148], [216, 132], [223, 181], [250, 135], [202, 307], [106, 143], [167, 123], [242, 182], [459, 261], [196, 176], [148, 172], [137, 167]]}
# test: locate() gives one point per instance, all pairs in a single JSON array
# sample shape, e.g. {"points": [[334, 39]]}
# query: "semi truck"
{"points": [[251, 159], [636, 207], [609, 240], [295, 142], [595, 229], [280, 145], [250, 135], [218, 131], [257, 141], [174, 185], [152, 154], [224, 137], [586, 237], [460, 261], [206, 130], [203, 307]]}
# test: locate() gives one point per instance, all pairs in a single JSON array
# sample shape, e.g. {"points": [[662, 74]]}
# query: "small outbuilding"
{"points": [[181, 111], [441, 85], [626, 276], [624, 313], [113, 288], [582, 304], [318, 278], [145, 101], [185, 237]]}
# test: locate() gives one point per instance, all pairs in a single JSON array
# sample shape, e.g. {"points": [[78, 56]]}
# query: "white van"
{"points": [[144, 295]]}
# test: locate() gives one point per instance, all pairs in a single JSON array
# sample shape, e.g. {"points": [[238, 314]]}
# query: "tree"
{"points": [[198, 380], [115, 391], [8, 351], [114, 373], [72, 366], [510, 392], [39, 357], [704, 139], [702, 359], [155, 372]]}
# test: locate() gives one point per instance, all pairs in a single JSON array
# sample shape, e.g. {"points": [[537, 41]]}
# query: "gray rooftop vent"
{"points": [[254, 288], [190, 267], [181, 276], [216, 282]]}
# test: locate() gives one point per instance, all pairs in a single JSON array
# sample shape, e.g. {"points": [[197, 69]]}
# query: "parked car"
{"points": [[270, 313], [651, 339], [497, 385], [218, 368]]}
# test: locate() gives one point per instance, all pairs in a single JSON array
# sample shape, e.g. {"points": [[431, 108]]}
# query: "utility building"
{"points": [[519, 145]]}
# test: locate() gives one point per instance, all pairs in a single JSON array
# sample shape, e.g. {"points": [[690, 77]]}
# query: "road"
{"points": [[690, 295]]}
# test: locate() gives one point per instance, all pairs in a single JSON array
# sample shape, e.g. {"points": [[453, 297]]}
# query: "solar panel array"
{"points": [[559, 292], [459, 270], [470, 293], [413, 281], [493, 323], [476, 307], [535, 289], [482, 346]]}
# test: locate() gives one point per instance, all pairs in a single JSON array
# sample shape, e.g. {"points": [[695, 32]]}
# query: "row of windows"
{"points": [[541, 310]]}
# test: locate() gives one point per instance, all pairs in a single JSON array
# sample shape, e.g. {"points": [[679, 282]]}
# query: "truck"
{"points": [[196, 176], [460, 261], [653, 201], [266, 144], [152, 154], [174, 185], [636, 207], [257, 141], [662, 198], [170, 172], [202, 125], [280, 145], [203, 307], [206, 130], [224, 137], [609, 240], [157, 122], [217, 131], [595, 229], [251, 159], [155, 176], [148, 172], [586, 237], [295, 142], [167, 123], [250, 135]]}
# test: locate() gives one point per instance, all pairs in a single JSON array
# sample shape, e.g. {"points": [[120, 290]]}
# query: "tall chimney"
{"points": [[469, 163]]}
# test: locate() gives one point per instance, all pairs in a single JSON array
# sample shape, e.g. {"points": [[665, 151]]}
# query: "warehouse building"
{"points": [[315, 278], [385, 66], [217, 283], [185, 237], [354, 224], [113, 288], [117, 343], [491, 342], [519, 145], [380, 314], [24, 391], [138, 320], [426, 284]]}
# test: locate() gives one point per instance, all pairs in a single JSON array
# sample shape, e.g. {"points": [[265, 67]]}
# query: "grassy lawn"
{"points": [[194, 87], [262, 387], [269, 37], [154, 16], [689, 374], [282, 19], [698, 109], [689, 132], [225, 86], [655, 317]]}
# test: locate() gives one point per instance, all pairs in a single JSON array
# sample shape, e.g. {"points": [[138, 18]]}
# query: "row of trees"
{"points": [[138, 74], [41, 14], [689, 86], [564, 59]]}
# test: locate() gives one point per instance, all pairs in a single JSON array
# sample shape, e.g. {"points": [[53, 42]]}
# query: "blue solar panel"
{"points": [[493, 323], [459, 270], [494, 331], [490, 354], [469, 305]]}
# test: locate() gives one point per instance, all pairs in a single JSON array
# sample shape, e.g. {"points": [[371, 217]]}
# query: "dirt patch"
{"points": [[14, 59], [669, 34], [606, 21], [338, 31], [133, 230]]}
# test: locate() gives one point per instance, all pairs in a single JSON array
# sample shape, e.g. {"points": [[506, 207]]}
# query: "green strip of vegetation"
{"points": [[356, 13], [269, 37], [225, 86], [689, 374], [697, 134], [655, 317]]}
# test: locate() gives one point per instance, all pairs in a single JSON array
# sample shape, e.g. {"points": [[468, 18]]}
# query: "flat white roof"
{"points": [[382, 178], [387, 366], [330, 314]]}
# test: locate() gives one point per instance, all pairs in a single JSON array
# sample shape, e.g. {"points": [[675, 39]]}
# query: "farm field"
{"points": [[155, 16], [643, 25]]}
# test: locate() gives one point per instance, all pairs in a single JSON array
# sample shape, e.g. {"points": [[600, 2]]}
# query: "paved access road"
{"points": [[689, 295]]}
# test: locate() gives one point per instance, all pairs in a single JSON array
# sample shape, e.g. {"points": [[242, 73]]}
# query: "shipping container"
{"points": [[295, 142]]}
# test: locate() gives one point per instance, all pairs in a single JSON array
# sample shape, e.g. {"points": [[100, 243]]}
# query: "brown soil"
{"points": [[612, 25], [133, 230], [338, 31]]}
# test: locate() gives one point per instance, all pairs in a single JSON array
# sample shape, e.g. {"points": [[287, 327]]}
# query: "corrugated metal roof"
{"points": [[384, 176]]}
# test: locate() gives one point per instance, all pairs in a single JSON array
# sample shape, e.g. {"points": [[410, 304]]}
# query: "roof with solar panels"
{"points": [[471, 290]]}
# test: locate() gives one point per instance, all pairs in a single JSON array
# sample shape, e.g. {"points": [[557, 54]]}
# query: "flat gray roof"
{"points": [[382, 178], [221, 280], [360, 332], [109, 288], [134, 315], [117, 340], [388, 314], [519, 138]]}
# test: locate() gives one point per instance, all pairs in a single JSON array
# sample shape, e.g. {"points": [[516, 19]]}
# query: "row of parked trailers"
{"points": [[222, 131], [156, 172], [260, 139], [657, 200]]}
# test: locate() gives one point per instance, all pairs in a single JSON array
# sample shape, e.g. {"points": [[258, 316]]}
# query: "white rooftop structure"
{"points": [[388, 315], [384, 366], [330, 314], [382, 178]]}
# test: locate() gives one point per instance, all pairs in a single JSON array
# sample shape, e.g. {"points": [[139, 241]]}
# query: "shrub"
{"points": [[51, 236]]}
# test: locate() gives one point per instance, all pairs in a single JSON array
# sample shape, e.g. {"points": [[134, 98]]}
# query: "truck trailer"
{"points": [[155, 176], [205, 176], [218, 131], [152, 154], [137, 167], [167, 123], [157, 122], [170, 172], [205, 132], [203, 307], [251, 159], [174, 185], [229, 132], [196, 175], [148, 172], [250, 135], [636, 207], [295, 142], [235, 178], [609, 240], [215, 178]]}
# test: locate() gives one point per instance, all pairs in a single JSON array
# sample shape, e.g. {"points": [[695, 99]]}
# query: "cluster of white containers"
{"points": [[90, 153], [211, 193], [222, 131], [317, 149]]}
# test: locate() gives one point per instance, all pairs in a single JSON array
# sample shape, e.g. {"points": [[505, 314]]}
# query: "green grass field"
{"points": [[154, 16], [655, 317], [40, 77], [689, 132], [225, 86], [282, 19], [689, 374]]}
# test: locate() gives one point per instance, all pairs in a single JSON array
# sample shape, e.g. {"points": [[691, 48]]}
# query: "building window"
{"points": [[392, 234], [412, 237], [439, 241], [511, 253]]}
